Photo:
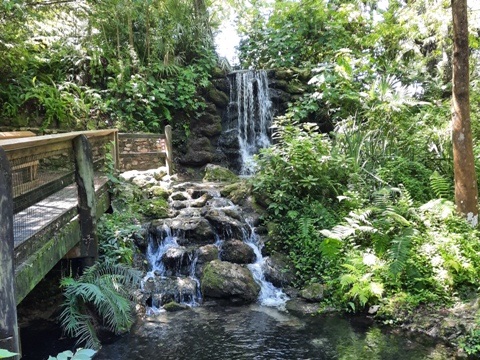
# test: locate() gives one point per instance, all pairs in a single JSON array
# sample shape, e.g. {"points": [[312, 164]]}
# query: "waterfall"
{"points": [[205, 228], [249, 90], [269, 294]]}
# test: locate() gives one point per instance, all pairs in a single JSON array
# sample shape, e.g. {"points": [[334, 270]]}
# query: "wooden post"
{"points": [[9, 339], [168, 149], [116, 150], [84, 176]]}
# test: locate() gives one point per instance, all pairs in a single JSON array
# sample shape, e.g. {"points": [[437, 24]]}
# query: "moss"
{"points": [[295, 88], [154, 208], [158, 191], [237, 191], [174, 306], [218, 97], [218, 173], [210, 277]]}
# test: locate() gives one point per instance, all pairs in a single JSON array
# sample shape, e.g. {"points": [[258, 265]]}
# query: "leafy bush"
{"points": [[414, 176], [116, 234]]}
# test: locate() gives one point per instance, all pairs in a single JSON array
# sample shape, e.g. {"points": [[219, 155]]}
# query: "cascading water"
{"points": [[176, 279], [249, 91], [177, 257], [269, 294]]}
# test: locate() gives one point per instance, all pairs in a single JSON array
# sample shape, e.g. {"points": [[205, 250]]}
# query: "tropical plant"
{"points": [[80, 354], [100, 297], [5, 354]]}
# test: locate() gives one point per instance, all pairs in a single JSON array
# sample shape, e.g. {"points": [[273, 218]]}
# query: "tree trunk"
{"points": [[466, 192]]}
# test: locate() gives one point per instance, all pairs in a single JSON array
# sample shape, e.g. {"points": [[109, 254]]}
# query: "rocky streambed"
{"points": [[206, 249]]}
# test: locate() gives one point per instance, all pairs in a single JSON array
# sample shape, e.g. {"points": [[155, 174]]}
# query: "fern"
{"points": [[400, 250], [441, 187], [103, 291]]}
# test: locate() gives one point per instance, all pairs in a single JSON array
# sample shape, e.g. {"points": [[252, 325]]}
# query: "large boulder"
{"points": [[218, 173], [238, 252], [159, 290], [278, 270], [224, 280], [189, 230], [200, 152], [225, 225]]}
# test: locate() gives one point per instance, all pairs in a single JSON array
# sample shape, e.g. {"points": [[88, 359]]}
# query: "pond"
{"points": [[258, 332]]}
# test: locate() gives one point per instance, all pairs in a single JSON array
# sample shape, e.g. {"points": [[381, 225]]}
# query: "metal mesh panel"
{"points": [[101, 148], [43, 180], [35, 179]]}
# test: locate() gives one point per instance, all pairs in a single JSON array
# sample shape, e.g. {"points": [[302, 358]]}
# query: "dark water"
{"points": [[263, 333]]}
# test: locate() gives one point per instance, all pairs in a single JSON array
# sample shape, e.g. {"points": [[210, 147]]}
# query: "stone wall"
{"points": [[141, 151]]}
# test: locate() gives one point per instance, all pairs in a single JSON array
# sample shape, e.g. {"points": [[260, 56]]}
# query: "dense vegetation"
{"points": [[89, 64], [367, 209]]}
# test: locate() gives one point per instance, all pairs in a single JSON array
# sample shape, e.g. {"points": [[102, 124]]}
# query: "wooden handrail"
{"points": [[22, 143]]}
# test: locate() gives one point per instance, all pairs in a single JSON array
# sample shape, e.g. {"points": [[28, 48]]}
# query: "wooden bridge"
{"points": [[53, 189]]}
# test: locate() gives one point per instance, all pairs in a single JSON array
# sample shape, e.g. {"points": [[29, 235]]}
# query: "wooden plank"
{"points": [[17, 144], [15, 134], [38, 151], [84, 177], [9, 338]]}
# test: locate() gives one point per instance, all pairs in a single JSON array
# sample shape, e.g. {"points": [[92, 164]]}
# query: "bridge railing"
{"points": [[41, 177], [43, 165]]}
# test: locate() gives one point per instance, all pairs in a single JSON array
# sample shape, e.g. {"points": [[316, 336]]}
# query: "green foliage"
{"points": [[116, 234], [80, 354], [441, 187], [99, 297], [414, 176], [471, 342], [5, 354], [74, 65]]}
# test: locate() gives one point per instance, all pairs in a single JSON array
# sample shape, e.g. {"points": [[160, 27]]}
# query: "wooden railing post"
{"points": [[116, 150], [168, 149], [9, 339], [84, 176]]}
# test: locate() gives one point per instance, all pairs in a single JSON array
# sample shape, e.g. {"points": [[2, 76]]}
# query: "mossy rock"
{"points": [[218, 72], [237, 191], [173, 306], [295, 88], [313, 292], [154, 208], [224, 280], [283, 74], [219, 174], [158, 191], [303, 74], [219, 98]]}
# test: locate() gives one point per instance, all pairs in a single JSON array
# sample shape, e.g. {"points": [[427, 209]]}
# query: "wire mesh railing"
{"points": [[43, 175]]}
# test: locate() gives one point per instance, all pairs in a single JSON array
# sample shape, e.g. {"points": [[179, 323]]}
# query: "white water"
{"points": [[250, 92], [269, 294], [154, 256], [158, 247]]}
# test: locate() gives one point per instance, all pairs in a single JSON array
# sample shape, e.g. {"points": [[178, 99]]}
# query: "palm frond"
{"points": [[106, 287]]}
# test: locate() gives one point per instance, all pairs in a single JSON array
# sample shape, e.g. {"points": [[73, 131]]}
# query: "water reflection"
{"points": [[263, 333]]}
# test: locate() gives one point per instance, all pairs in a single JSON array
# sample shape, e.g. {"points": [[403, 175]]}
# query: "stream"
{"points": [[259, 332]]}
